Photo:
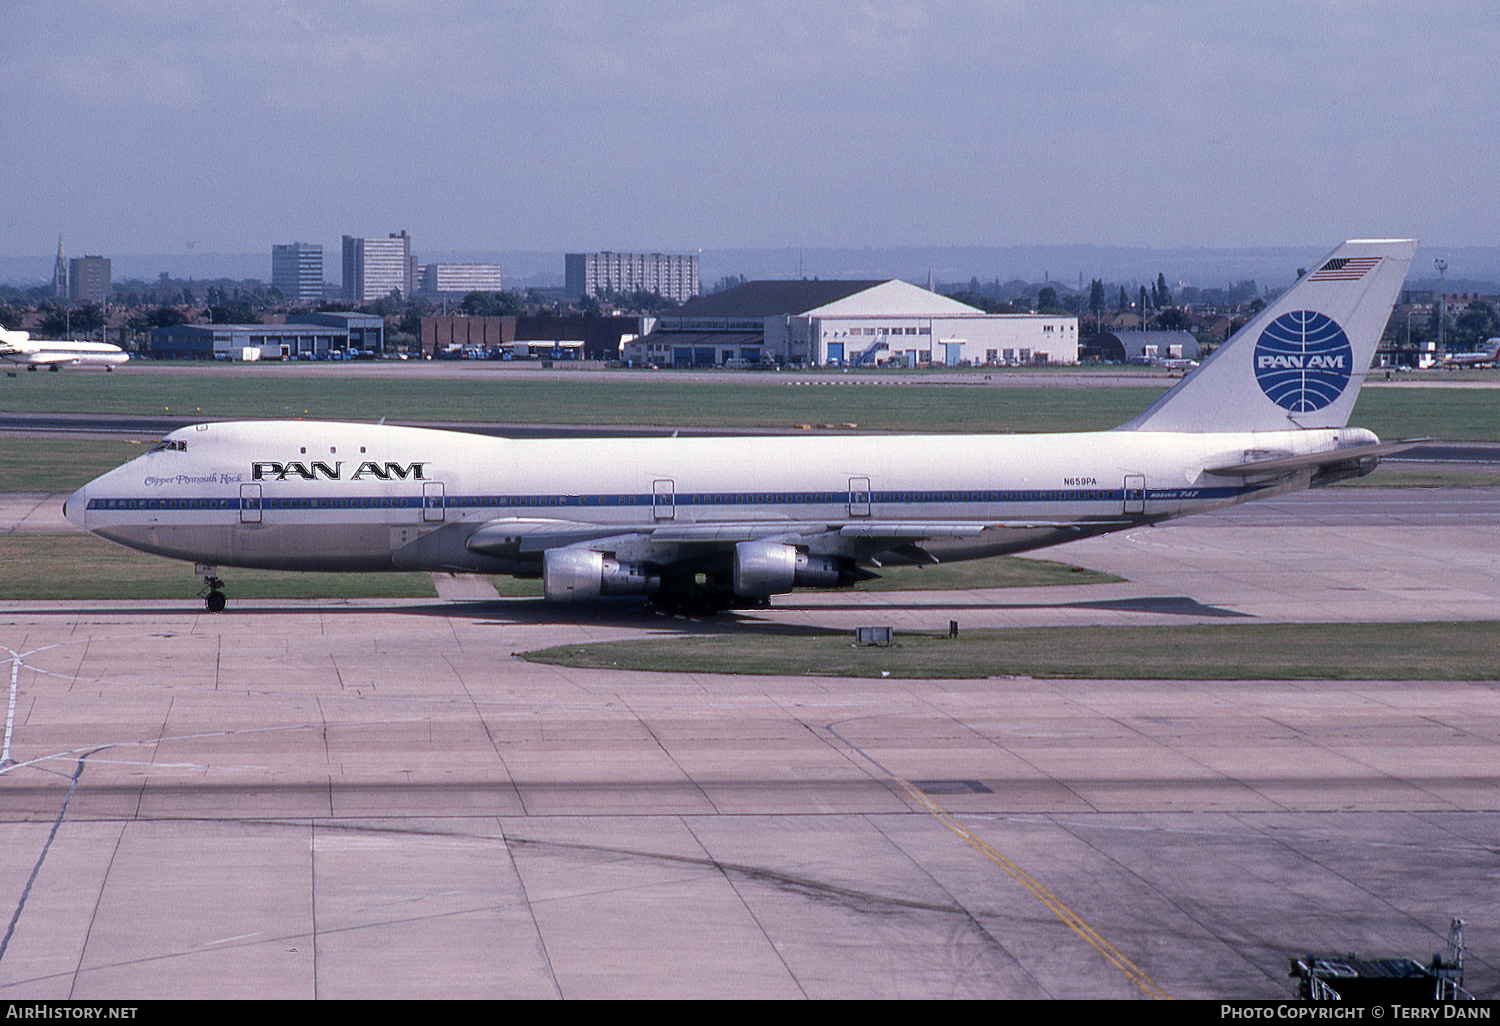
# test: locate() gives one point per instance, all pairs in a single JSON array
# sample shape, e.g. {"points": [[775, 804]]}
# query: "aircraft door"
{"points": [[433, 501], [1135, 493], [663, 500], [249, 503], [859, 496]]}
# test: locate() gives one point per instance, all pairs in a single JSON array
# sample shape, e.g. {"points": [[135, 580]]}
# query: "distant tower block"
{"points": [[297, 271], [668, 275], [89, 279]]}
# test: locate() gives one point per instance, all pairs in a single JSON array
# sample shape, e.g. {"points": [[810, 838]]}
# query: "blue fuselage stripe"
{"points": [[740, 499]]}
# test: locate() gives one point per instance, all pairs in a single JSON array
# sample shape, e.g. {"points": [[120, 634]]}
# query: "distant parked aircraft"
{"points": [[19, 347], [1485, 357]]}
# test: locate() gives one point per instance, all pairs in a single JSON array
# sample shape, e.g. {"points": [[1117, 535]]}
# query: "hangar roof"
{"points": [[771, 298], [800, 298], [894, 298]]}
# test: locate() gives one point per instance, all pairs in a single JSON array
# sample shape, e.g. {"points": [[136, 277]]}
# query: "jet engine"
{"points": [[580, 575], [769, 568]]}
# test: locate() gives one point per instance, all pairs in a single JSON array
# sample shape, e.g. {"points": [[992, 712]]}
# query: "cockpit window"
{"points": [[169, 445]]}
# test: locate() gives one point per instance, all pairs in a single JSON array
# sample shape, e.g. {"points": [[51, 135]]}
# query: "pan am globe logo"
{"points": [[1303, 361]]}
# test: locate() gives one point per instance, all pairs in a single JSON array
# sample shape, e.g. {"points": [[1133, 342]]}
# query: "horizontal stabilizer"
{"points": [[1289, 464]]}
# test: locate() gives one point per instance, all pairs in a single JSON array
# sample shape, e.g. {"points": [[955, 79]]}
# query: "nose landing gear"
{"points": [[213, 589]]}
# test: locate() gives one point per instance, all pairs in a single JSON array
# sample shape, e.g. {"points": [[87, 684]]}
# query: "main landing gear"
{"points": [[213, 589]]}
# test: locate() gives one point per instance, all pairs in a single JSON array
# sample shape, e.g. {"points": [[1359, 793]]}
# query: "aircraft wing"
{"points": [[1256, 466], [533, 535], [43, 359]]}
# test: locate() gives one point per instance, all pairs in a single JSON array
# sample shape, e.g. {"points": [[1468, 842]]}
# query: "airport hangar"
{"points": [[303, 336], [1137, 346], [846, 323]]}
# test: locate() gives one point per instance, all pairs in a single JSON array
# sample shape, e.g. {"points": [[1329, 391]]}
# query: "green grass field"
{"points": [[1407, 651], [82, 567], [635, 399]]}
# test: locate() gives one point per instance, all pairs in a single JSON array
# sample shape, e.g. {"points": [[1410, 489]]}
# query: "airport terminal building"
{"points": [[848, 323]]}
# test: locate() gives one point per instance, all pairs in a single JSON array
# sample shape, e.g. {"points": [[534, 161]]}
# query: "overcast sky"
{"points": [[133, 126]]}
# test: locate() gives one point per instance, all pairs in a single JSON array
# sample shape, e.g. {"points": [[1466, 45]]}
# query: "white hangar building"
{"points": [[848, 323]]}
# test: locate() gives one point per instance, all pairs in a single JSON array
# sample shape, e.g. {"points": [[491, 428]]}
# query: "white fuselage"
{"points": [[19, 348], [306, 495]]}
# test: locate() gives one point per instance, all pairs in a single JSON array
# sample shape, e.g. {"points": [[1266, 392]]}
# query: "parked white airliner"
{"points": [[20, 348], [701, 524]]}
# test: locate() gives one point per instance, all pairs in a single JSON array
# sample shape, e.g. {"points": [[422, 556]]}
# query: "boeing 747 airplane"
{"points": [[20, 348], [704, 524]]}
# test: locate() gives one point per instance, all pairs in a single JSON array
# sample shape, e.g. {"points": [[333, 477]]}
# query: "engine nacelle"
{"points": [[771, 568], [580, 575]]}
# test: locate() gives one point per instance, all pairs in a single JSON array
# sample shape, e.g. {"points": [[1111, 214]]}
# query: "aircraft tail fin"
{"points": [[1300, 363]]}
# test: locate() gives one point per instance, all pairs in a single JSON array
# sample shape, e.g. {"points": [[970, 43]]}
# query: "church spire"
{"points": [[60, 271]]}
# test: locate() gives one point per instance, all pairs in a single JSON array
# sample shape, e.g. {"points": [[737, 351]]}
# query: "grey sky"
{"points": [[132, 127]]}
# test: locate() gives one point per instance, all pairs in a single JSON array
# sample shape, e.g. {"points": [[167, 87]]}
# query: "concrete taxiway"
{"points": [[369, 799]]}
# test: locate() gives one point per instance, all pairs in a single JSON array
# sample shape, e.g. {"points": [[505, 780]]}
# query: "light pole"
{"points": [[1442, 270]]}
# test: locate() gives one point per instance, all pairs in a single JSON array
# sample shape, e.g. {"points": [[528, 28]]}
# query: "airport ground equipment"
{"points": [[1385, 980]]}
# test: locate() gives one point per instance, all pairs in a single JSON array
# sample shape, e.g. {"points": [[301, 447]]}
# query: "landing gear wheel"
{"points": [[213, 593]]}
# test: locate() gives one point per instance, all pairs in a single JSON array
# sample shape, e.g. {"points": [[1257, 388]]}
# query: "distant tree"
{"points": [[1096, 296], [1242, 292], [63, 322], [54, 323], [1143, 305], [1477, 323], [985, 303], [10, 318], [1124, 303], [1046, 300], [1171, 319], [155, 317], [729, 281], [389, 305], [1163, 297], [539, 302], [231, 312], [492, 304], [639, 301]]}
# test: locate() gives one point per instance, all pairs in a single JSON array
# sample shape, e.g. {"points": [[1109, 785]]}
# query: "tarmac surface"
{"points": [[374, 799]]}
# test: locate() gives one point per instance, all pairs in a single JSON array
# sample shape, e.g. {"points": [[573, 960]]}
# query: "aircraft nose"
{"points": [[76, 506]]}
